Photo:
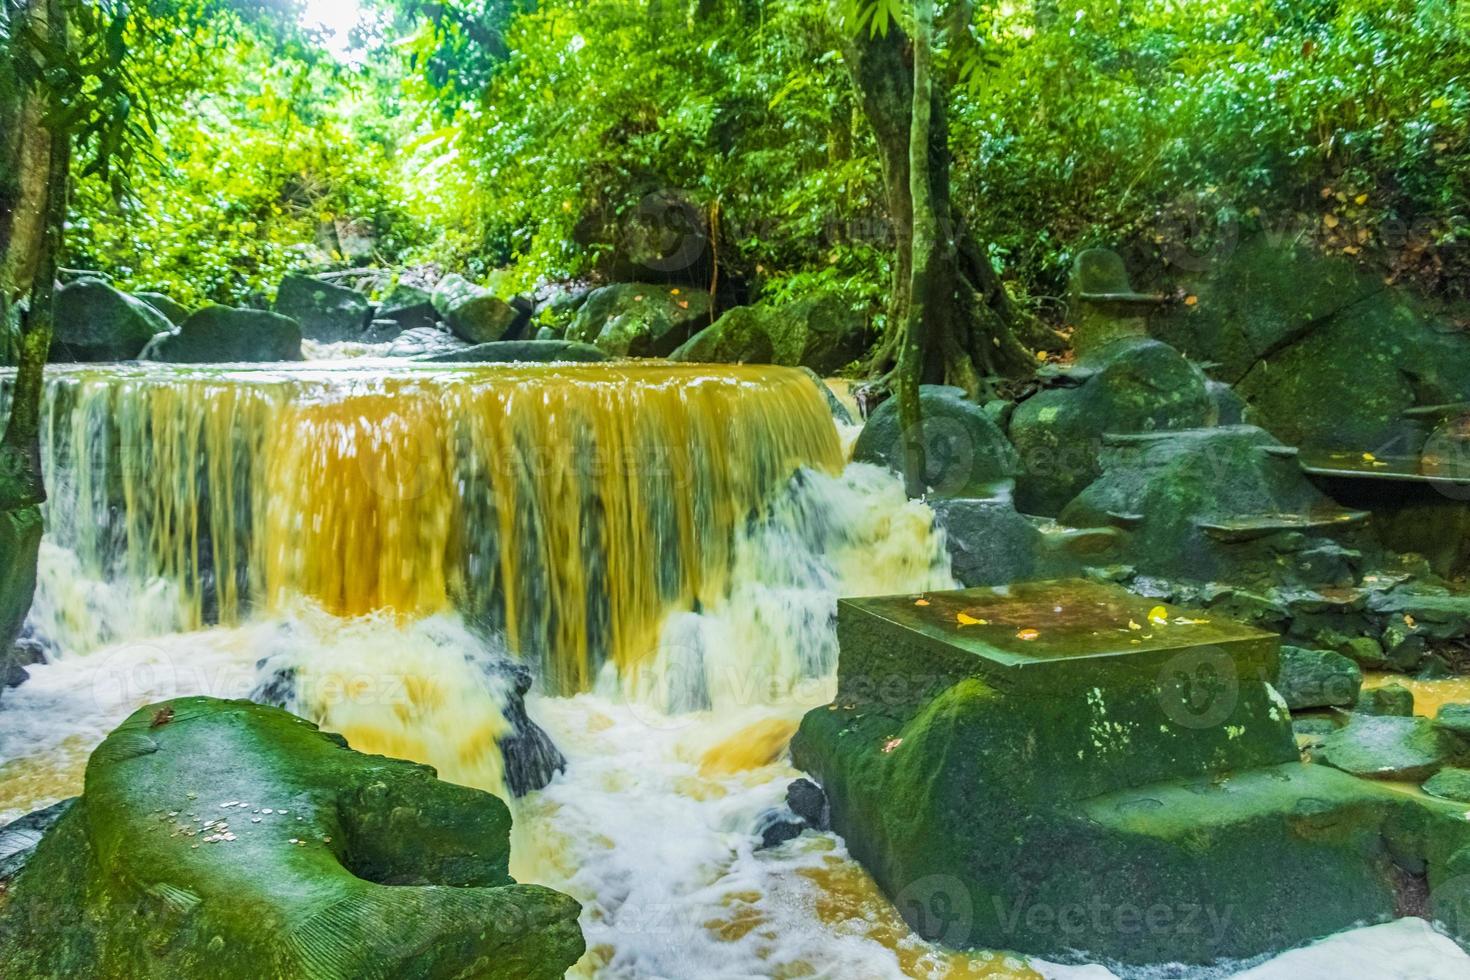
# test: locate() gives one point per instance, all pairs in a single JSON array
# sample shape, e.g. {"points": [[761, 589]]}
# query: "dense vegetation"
{"points": [[499, 135]]}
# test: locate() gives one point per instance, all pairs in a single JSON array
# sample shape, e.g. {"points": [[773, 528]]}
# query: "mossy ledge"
{"points": [[226, 838]]}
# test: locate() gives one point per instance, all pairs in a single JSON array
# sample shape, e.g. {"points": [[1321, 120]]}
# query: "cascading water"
{"points": [[664, 545]]}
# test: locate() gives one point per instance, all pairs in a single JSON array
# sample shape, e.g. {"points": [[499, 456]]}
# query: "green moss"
{"points": [[331, 863]]}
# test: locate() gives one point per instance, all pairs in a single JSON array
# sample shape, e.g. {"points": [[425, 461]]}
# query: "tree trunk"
{"points": [[969, 326], [32, 218]]}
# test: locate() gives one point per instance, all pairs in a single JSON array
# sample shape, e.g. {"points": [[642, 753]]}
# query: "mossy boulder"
{"points": [[1386, 747], [1256, 297], [225, 838], [820, 332], [965, 451], [327, 313], [506, 351], [418, 341], [474, 312], [408, 306], [1317, 678], [635, 319], [177, 313], [1449, 784], [1130, 385], [1390, 699], [95, 322], [20, 543], [222, 334], [1022, 769], [1347, 384], [1227, 503]]}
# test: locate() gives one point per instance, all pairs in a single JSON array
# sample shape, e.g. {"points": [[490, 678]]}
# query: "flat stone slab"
{"points": [[1046, 626]]}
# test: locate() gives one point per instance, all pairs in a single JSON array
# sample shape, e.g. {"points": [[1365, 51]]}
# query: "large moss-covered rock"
{"points": [[1255, 298], [327, 313], [505, 351], [1130, 385], [636, 319], [1024, 769], [218, 334], [229, 839], [1227, 503], [821, 332], [965, 452], [20, 543], [474, 312], [95, 322], [1348, 383]]}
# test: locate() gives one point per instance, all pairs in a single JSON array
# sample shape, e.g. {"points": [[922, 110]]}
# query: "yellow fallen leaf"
{"points": [[1351, 250], [1369, 457], [921, 602], [1041, 355], [1191, 300], [1159, 616], [1361, 199], [1027, 634], [674, 291], [638, 298], [1134, 626], [965, 619], [1330, 220]]}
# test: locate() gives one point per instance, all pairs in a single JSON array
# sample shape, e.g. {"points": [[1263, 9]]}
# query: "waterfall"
{"points": [[564, 507]]}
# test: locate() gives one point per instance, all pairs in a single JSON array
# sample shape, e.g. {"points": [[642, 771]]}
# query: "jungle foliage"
{"points": [[524, 136]]}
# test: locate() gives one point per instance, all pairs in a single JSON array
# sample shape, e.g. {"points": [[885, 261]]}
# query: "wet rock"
{"points": [[1229, 407], [1102, 303], [1364, 651], [418, 341], [18, 839], [1317, 678], [821, 332], [327, 313], [839, 410], [635, 319], [1390, 699], [222, 334], [1449, 784], [224, 838], [991, 543], [1386, 747], [474, 312], [807, 801], [1454, 719], [1130, 385], [409, 307], [965, 452], [175, 312], [95, 322], [777, 826], [507, 351]]}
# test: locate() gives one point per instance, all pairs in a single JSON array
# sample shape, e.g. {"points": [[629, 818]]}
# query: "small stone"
{"points": [[1450, 784], [1317, 678], [1390, 699], [1386, 747]]}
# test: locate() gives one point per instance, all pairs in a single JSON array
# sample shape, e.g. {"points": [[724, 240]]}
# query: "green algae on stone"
{"points": [[218, 334], [20, 543], [473, 312], [965, 451], [1390, 699], [1023, 758], [1131, 385], [1317, 678], [820, 332], [633, 319], [225, 838], [1450, 784], [1386, 747], [327, 313]]}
